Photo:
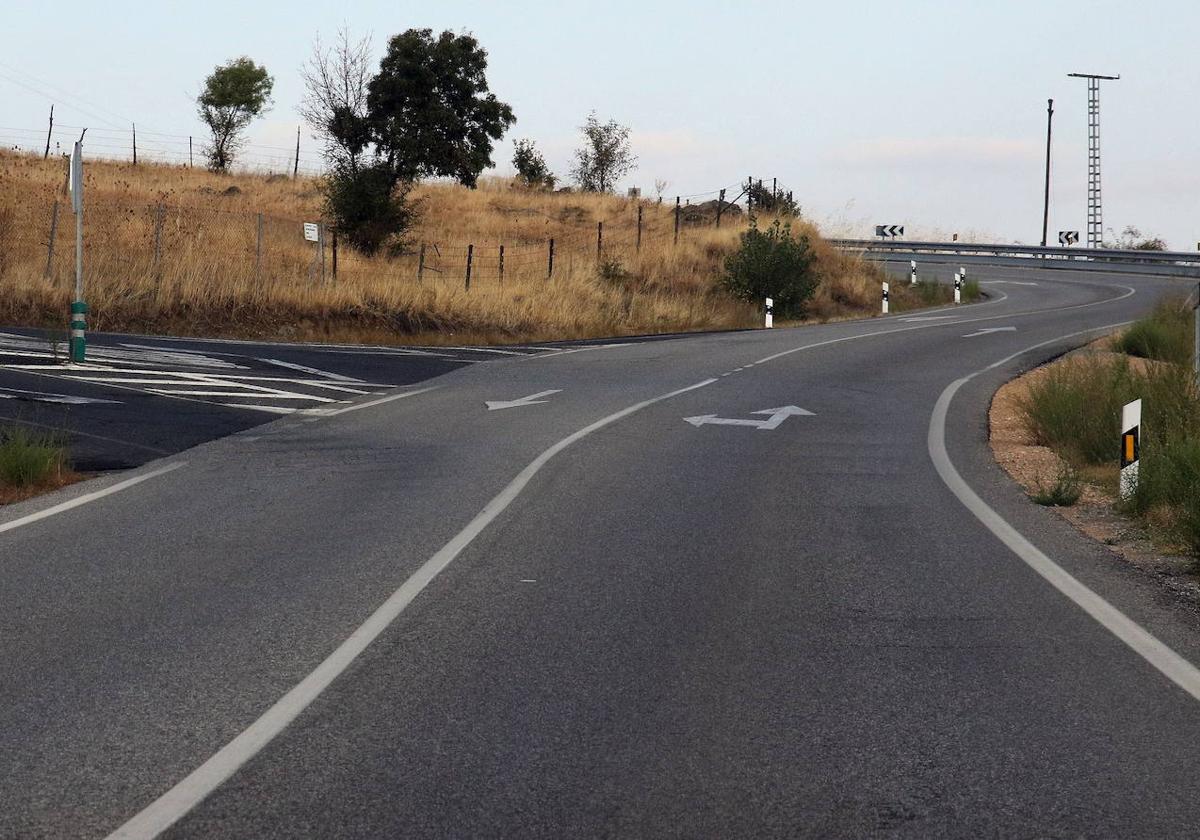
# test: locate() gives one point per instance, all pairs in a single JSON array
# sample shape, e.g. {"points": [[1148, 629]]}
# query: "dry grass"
{"points": [[206, 277]]}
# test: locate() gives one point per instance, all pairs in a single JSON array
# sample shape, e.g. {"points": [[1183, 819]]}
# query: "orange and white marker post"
{"points": [[1131, 447]]}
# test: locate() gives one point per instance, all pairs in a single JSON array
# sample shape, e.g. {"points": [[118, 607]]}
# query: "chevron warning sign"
{"points": [[1068, 237], [885, 231]]}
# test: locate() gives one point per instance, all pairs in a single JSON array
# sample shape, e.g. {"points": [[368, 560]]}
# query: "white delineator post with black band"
{"points": [[1131, 447], [958, 288], [912, 275], [770, 313], [78, 307], [885, 298]]}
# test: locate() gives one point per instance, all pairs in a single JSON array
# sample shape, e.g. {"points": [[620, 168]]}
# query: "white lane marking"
{"points": [[929, 318], [88, 497], [44, 397], [1173, 666], [251, 395], [269, 409], [189, 792], [1009, 282], [324, 374], [488, 350], [333, 412], [1129, 292], [581, 350], [989, 330], [532, 399], [778, 415]]}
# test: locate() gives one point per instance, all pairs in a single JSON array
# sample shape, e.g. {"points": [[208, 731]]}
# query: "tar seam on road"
{"points": [[197, 785], [88, 497], [1177, 669]]}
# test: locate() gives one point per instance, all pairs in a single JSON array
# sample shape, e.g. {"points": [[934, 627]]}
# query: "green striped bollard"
{"points": [[78, 325]]}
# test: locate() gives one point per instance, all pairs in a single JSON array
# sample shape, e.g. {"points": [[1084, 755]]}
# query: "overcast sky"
{"points": [[926, 113]]}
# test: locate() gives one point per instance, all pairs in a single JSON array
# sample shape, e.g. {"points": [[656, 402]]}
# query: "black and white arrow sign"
{"points": [[1068, 237], [532, 399], [774, 421], [884, 231]]}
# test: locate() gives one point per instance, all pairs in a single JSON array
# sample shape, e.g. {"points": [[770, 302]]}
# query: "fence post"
{"points": [[335, 255], [550, 269], [599, 241], [189, 151], [159, 215], [676, 220], [50, 244], [639, 233], [258, 249], [501, 265], [470, 257], [321, 247], [720, 206], [134, 143], [1196, 351], [421, 264], [750, 199]]}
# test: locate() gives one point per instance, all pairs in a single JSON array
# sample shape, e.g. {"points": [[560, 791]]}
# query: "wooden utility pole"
{"points": [[134, 143], [49, 132], [1046, 201], [189, 151], [296, 165]]}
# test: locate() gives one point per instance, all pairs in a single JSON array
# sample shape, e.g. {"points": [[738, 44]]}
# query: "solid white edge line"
{"points": [[1173, 666], [189, 792], [334, 412], [88, 498]]}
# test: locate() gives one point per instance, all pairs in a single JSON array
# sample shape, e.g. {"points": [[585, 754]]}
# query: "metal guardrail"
{"points": [[997, 250]]}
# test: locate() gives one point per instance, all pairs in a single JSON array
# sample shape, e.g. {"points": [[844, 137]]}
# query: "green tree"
{"points": [[234, 94], [531, 167], [605, 156], [772, 263]]}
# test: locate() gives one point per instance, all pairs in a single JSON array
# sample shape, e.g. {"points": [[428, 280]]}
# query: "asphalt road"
{"points": [[604, 612]]}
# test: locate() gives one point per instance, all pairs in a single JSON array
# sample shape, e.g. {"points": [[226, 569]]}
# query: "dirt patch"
{"points": [[11, 495], [1095, 514]]}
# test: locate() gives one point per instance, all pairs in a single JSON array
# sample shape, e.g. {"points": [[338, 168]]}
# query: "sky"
{"points": [[917, 112]]}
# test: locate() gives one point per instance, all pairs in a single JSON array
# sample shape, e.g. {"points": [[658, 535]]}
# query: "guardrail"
{"points": [[1150, 262]]}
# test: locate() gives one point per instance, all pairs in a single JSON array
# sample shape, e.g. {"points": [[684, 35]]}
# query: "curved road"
{"points": [[606, 613]]}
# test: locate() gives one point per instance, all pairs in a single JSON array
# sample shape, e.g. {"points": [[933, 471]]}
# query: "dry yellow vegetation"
{"points": [[183, 251]]}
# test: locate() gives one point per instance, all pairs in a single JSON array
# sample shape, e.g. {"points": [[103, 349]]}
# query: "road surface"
{"points": [[759, 584]]}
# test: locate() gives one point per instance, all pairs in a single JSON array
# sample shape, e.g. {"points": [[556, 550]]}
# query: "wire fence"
{"points": [[132, 243]]}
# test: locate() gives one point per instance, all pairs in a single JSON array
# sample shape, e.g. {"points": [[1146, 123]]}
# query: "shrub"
{"points": [[370, 209], [531, 167], [1166, 334], [27, 459], [1065, 491], [772, 263]]}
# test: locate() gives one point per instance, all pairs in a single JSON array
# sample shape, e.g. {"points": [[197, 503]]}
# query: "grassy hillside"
{"points": [[177, 250]]}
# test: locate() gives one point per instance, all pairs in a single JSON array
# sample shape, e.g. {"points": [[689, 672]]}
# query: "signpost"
{"points": [[78, 307]]}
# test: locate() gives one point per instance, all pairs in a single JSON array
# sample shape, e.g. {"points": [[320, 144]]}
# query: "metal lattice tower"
{"points": [[1095, 212]]}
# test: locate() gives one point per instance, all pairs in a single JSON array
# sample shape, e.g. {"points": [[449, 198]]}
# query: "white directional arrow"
{"points": [[990, 330], [778, 415], [532, 399]]}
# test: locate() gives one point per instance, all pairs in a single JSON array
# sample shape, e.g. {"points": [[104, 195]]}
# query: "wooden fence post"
{"points": [[676, 220], [335, 254], [258, 248], [470, 257], [160, 213], [501, 265], [639, 232], [421, 264], [720, 206], [599, 241], [50, 244], [550, 269]]}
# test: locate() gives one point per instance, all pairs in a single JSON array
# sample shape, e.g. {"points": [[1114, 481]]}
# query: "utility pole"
{"points": [[1046, 204], [296, 166], [1095, 216], [49, 132]]}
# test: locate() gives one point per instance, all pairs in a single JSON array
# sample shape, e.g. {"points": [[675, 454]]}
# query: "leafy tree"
{"points": [[234, 94], [429, 110], [427, 113], [772, 263], [531, 167], [605, 156]]}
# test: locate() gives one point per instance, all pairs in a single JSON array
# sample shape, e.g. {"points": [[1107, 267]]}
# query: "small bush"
{"points": [[369, 207], [773, 263], [1065, 491], [1166, 334], [971, 291], [27, 459]]}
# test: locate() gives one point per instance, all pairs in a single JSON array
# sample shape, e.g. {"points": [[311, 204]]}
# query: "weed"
{"points": [[1166, 334], [28, 459], [1065, 491]]}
